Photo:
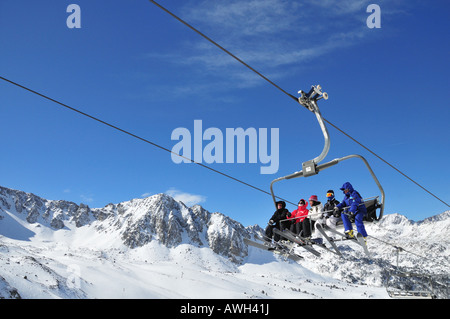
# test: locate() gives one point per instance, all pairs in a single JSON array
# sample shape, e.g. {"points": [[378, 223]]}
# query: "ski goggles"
{"points": [[330, 194]]}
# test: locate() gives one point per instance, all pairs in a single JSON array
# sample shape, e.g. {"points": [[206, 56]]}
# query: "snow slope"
{"points": [[159, 248]]}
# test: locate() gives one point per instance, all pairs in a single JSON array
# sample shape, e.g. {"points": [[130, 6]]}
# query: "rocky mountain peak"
{"points": [[137, 222]]}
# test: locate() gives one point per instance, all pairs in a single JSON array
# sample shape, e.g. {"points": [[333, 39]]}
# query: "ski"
{"points": [[308, 242], [363, 244], [273, 248], [330, 240], [302, 243], [311, 243], [259, 245], [267, 240], [344, 237], [285, 249], [359, 239]]}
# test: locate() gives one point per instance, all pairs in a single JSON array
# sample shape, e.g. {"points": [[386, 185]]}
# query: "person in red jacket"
{"points": [[298, 217]]}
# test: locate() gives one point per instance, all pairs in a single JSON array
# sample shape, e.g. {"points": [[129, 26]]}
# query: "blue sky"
{"points": [[133, 65]]}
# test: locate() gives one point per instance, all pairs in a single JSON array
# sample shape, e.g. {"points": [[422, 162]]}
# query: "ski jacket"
{"points": [[316, 211], [280, 214], [300, 213], [352, 201], [329, 207]]}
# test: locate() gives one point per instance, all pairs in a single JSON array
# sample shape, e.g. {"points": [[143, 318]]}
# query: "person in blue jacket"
{"points": [[354, 206]]}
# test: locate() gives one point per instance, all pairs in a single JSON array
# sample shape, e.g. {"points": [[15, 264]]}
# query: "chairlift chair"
{"points": [[312, 167], [405, 284]]}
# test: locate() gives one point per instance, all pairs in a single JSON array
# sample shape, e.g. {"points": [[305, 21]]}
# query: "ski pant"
{"points": [[296, 227], [280, 225], [306, 228], [301, 228], [358, 222]]}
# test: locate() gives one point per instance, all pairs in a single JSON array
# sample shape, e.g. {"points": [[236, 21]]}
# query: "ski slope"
{"points": [[93, 260], [45, 269]]}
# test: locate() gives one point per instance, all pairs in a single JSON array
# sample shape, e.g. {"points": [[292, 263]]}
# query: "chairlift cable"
{"points": [[203, 165], [386, 162], [398, 248], [288, 94], [167, 150], [223, 49], [137, 137]]}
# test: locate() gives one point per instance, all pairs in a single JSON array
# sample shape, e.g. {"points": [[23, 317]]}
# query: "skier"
{"points": [[315, 214], [275, 221], [316, 210], [298, 216], [330, 216], [354, 206], [333, 216]]}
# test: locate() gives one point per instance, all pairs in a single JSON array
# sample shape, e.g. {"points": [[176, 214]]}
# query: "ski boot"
{"points": [[349, 234]]}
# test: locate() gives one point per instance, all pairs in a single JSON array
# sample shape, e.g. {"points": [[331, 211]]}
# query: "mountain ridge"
{"points": [[137, 221], [158, 238]]}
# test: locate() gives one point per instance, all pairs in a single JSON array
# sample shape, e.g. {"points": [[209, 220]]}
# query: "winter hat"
{"points": [[314, 198], [348, 186], [283, 204]]}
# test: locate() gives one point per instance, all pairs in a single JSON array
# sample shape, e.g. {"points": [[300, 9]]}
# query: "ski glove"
{"points": [[336, 212]]}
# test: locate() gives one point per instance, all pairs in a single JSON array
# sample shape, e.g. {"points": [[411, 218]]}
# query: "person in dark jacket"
{"points": [[330, 205], [276, 220], [331, 217], [353, 205]]}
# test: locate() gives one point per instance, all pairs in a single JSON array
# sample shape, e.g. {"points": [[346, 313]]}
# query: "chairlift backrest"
{"points": [[371, 206]]}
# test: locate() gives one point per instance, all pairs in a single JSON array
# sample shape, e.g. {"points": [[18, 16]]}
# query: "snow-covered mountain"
{"points": [[157, 247], [134, 223]]}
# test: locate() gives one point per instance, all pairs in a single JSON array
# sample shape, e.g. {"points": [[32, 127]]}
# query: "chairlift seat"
{"points": [[372, 205]]}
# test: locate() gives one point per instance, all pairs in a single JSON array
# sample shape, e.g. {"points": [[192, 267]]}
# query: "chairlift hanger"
{"points": [[312, 167]]}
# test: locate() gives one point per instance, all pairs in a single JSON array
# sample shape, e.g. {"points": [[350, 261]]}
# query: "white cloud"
{"points": [[186, 198], [276, 37], [146, 195], [338, 7], [87, 198], [271, 35], [248, 18]]}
